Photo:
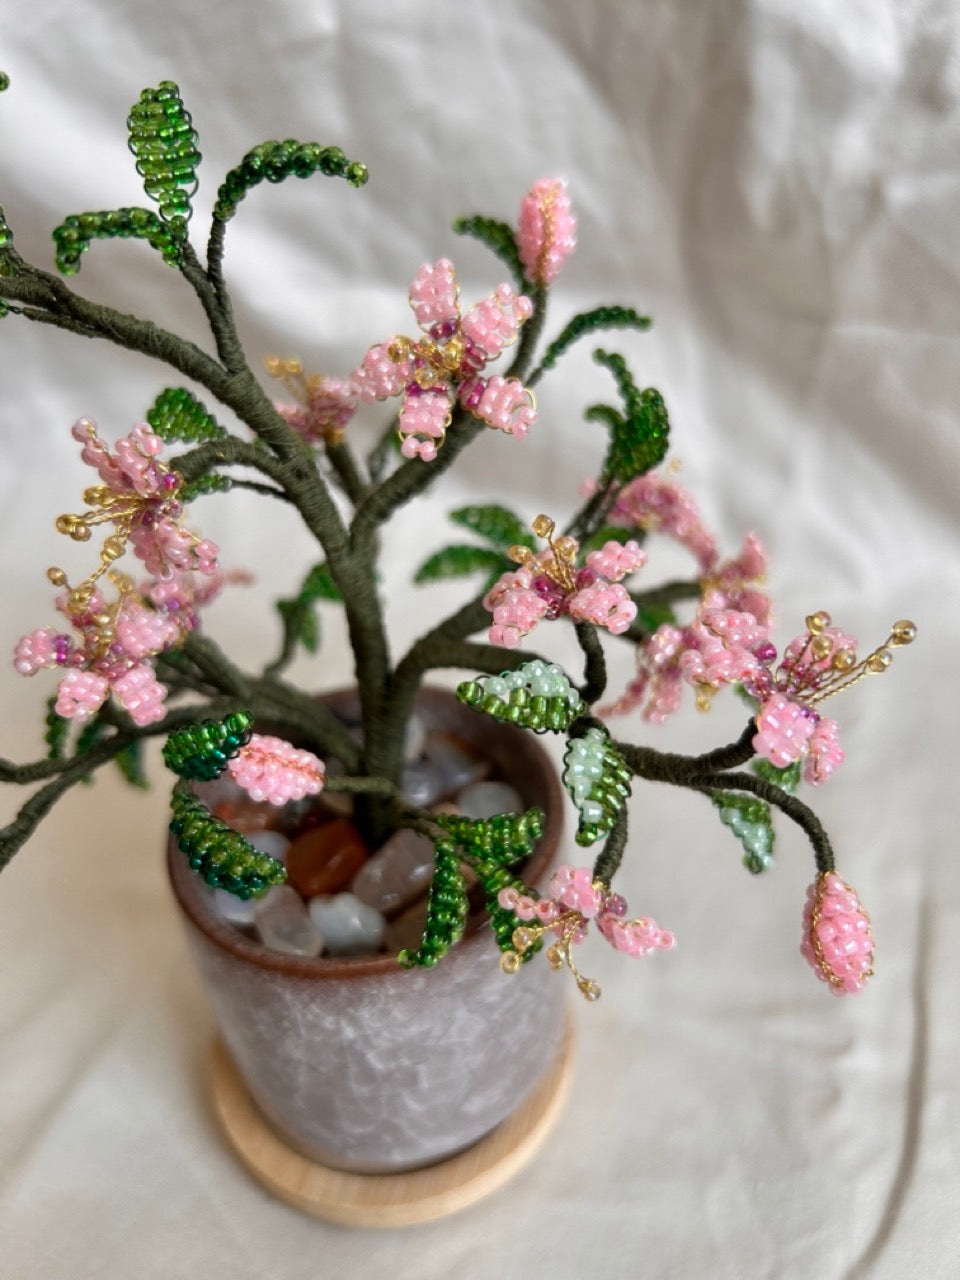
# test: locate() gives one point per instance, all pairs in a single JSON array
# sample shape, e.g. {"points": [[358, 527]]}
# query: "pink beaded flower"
{"points": [[138, 497], [110, 652], [443, 367], [270, 769], [549, 585], [574, 899], [546, 232], [837, 938], [324, 405], [653, 502]]}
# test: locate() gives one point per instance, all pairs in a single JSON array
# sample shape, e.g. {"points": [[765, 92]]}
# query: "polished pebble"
{"points": [[484, 799], [325, 859], [457, 763], [406, 931], [349, 926], [397, 874], [284, 925], [423, 783], [274, 843], [237, 911]]}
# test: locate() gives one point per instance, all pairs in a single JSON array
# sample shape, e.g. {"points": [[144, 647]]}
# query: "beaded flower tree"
{"points": [[134, 660]]}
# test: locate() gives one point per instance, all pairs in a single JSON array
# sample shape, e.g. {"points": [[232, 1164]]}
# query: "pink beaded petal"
{"points": [[141, 694], [516, 613], [605, 604], [494, 323], [433, 294], [504, 403], [424, 419], [783, 730], [615, 560], [81, 694], [380, 377], [271, 769], [546, 233], [837, 938], [142, 632], [651, 501], [36, 651], [825, 755]]}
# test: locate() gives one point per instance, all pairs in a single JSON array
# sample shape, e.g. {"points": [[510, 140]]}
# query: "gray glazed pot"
{"points": [[361, 1065]]}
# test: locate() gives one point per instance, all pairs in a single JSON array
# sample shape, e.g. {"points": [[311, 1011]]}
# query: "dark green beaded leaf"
{"points": [[6, 242], [164, 142], [503, 840], [200, 751], [499, 239], [90, 734], [502, 920], [446, 910], [56, 731], [459, 562], [74, 234], [4, 81], [212, 483], [640, 435], [276, 161], [176, 414], [610, 791], [588, 322], [220, 855], [300, 622], [129, 760], [750, 820], [496, 525], [319, 584]]}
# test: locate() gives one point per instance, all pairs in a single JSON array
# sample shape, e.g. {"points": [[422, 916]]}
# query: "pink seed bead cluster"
{"points": [[271, 769], [837, 938], [546, 233], [573, 899], [444, 366], [329, 405]]}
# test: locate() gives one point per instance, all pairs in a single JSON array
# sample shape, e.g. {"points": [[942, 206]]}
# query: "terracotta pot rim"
{"points": [[536, 767]]}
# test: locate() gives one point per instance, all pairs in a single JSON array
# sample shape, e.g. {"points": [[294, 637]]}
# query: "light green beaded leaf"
{"points": [[177, 414], [162, 137], [750, 820], [275, 161], [598, 780], [639, 436], [495, 524], [499, 239], [447, 910], [200, 751], [218, 854], [787, 778], [459, 562], [587, 322], [72, 237], [129, 760], [536, 695]]}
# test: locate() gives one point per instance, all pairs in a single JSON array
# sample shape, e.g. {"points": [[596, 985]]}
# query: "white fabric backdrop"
{"points": [[778, 185]]}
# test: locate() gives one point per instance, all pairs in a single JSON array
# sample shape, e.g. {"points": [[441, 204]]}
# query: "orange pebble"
{"points": [[325, 859]]}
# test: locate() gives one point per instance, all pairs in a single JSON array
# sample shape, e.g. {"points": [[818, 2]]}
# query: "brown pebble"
{"points": [[246, 816], [325, 859], [406, 931]]}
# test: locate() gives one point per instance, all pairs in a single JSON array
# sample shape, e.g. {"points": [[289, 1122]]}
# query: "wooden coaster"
{"points": [[392, 1199]]}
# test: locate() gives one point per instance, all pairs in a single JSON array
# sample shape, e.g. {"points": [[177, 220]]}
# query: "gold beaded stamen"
{"points": [[845, 669], [561, 566], [304, 388]]}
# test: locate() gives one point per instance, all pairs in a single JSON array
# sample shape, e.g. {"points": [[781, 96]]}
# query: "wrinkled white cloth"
{"points": [[777, 184]]}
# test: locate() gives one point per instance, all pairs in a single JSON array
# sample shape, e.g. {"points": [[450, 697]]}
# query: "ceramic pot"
{"points": [[361, 1065]]}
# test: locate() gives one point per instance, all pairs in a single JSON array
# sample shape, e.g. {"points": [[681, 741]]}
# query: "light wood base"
{"points": [[393, 1199]]}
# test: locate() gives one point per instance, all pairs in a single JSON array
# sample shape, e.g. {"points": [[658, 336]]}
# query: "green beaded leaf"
{"points": [[536, 695], [787, 778], [319, 584], [651, 616], [639, 436], [4, 81], [275, 161], [218, 854], [72, 237], [300, 622], [502, 840], [459, 562], [496, 525], [499, 239], [164, 142], [200, 751], [502, 920], [588, 322], [90, 734], [129, 760], [57, 730], [598, 780], [751, 822], [176, 414], [6, 242], [447, 910], [204, 485]]}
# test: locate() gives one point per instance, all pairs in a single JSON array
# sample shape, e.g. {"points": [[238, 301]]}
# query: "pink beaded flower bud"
{"points": [[271, 769], [546, 233], [837, 938]]}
